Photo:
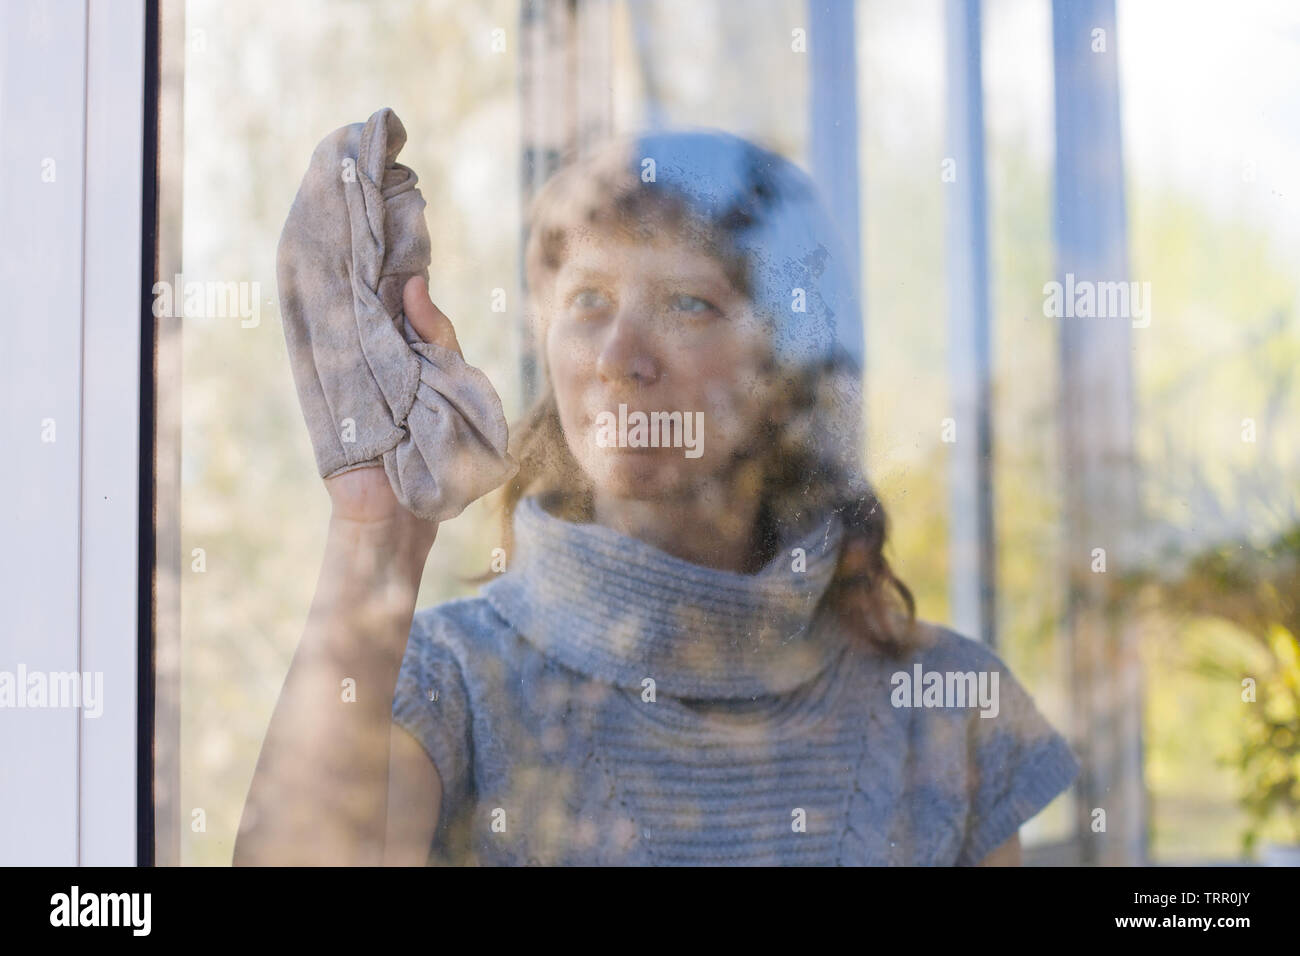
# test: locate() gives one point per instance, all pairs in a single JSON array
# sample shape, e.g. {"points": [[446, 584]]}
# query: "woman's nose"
{"points": [[625, 358]]}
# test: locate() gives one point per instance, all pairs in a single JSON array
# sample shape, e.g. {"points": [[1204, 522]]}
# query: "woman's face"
{"points": [[655, 327]]}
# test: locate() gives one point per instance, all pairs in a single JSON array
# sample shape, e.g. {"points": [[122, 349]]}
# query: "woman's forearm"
{"points": [[319, 791]]}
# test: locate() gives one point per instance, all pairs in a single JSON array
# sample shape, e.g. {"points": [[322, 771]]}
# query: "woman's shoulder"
{"points": [[473, 615], [1007, 725], [954, 688], [932, 647], [460, 624], [942, 648], [944, 659], [983, 755], [487, 648]]}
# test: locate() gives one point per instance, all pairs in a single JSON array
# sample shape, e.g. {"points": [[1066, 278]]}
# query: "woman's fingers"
{"points": [[426, 318]]}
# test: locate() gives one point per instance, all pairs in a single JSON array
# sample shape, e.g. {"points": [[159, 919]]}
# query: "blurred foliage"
{"points": [[1257, 590], [1240, 495]]}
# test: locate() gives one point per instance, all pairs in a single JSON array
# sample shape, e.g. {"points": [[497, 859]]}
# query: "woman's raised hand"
{"points": [[364, 496], [426, 318]]}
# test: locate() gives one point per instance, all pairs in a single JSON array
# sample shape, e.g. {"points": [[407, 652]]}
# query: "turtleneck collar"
{"points": [[619, 610]]}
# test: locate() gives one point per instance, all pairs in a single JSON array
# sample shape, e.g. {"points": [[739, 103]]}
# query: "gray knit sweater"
{"points": [[605, 703]]}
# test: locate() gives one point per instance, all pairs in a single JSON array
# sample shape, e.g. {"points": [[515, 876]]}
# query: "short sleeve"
{"points": [[1018, 764], [432, 704]]}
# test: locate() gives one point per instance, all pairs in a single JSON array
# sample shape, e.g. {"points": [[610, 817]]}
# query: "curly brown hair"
{"points": [[795, 478]]}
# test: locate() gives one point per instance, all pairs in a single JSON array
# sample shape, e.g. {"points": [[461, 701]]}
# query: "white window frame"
{"points": [[71, 91]]}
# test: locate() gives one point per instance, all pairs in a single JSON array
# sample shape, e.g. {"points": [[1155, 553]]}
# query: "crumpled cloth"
{"points": [[370, 390]]}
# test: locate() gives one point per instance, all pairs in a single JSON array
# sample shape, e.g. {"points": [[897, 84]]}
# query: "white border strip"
{"points": [[110, 425], [42, 116]]}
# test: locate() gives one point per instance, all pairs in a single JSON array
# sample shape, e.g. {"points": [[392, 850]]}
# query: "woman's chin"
{"points": [[637, 474]]}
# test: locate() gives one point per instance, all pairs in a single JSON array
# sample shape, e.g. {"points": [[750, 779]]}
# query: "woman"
{"points": [[691, 649]]}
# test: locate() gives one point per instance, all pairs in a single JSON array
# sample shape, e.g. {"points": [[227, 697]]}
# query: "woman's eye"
{"points": [[690, 303], [589, 300]]}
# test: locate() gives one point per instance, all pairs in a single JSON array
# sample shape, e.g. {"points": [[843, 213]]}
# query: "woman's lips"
{"points": [[589, 423]]}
